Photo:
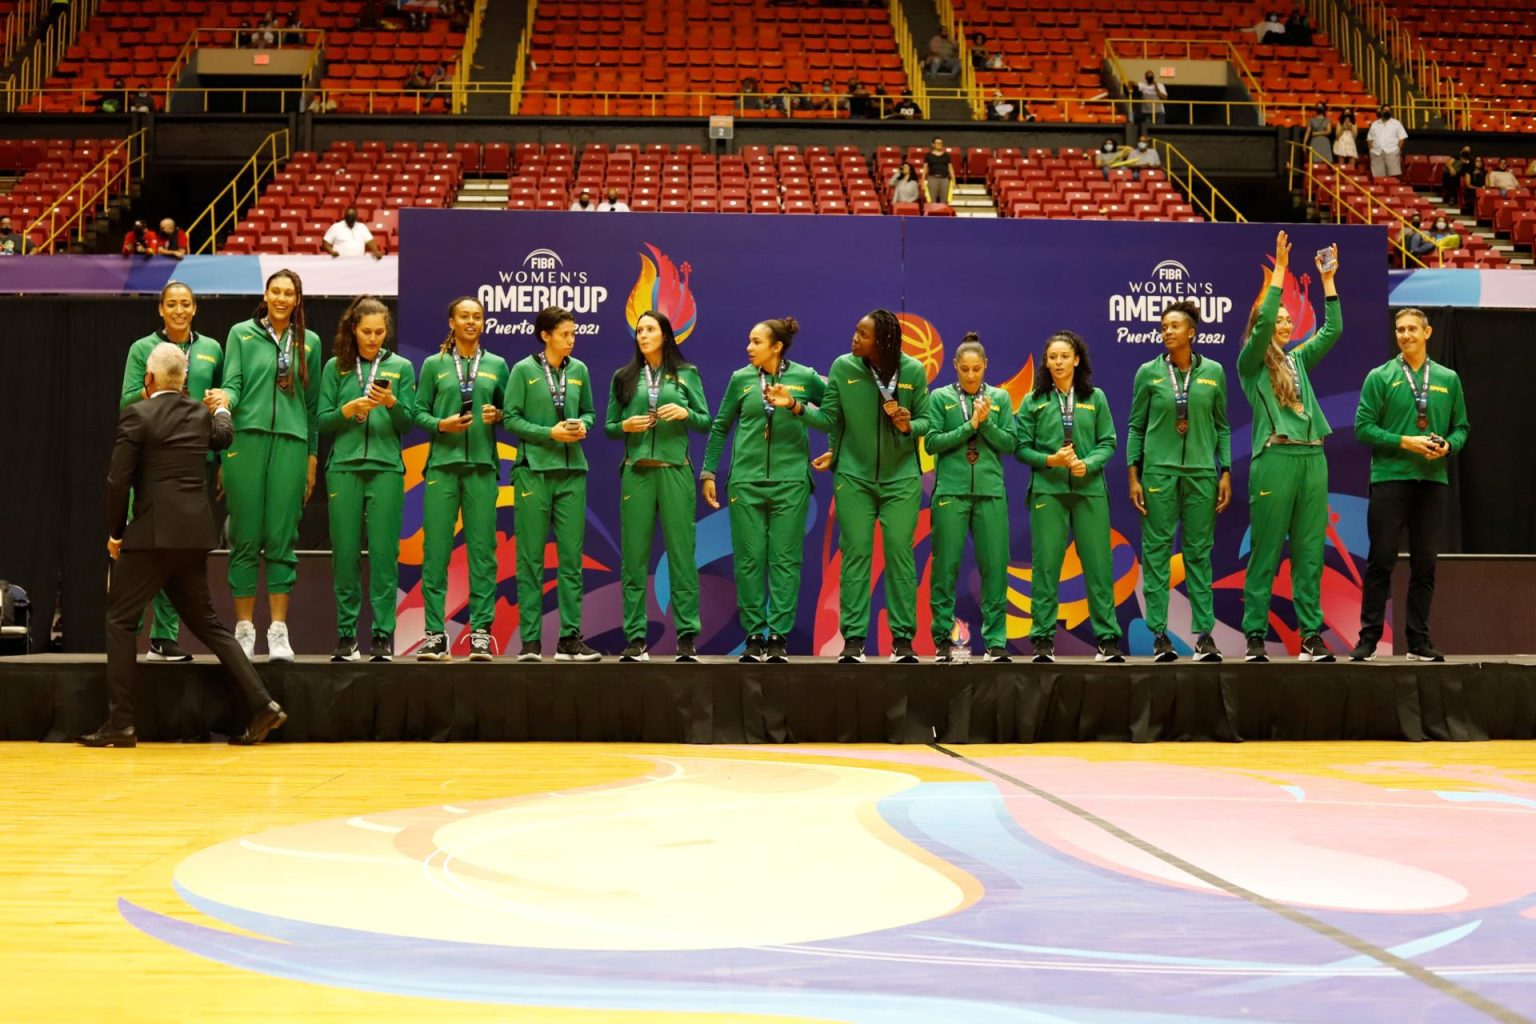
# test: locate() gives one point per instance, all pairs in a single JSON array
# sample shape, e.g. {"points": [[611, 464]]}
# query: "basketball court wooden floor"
{"points": [[1102, 884]]}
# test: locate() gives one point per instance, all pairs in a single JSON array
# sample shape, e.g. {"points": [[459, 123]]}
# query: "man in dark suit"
{"points": [[161, 456]]}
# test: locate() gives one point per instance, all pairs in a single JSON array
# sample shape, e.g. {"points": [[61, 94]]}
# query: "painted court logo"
{"points": [[662, 286], [1137, 312], [542, 280]]}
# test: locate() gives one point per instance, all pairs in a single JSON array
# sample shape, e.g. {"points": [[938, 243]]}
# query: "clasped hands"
{"points": [[215, 399], [671, 412], [1066, 456]]}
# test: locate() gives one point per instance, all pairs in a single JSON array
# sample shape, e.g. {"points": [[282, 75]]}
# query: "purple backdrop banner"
{"points": [[1013, 281]]}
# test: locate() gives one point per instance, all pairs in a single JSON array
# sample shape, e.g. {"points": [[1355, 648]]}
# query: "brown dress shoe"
{"points": [[262, 722], [110, 736]]}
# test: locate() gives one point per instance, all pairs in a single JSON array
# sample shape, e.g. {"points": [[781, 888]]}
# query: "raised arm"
{"points": [[1311, 352], [1250, 361]]}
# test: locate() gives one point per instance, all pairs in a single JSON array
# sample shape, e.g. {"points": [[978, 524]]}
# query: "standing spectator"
{"points": [[584, 203], [12, 243], [907, 108], [1501, 178], [140, 241], [860, 103], [1152, 94], [172, 241], [942, 53], [937, 175], [613, 204], [1345, 150], [1475, 178], [904, 187], [1450, 175], [1320, 133], [1386, 138], [350, 237]]}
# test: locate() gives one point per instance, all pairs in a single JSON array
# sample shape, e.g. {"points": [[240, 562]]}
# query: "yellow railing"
{"points": [[1424, 72], [524, 50], [19, 25], [461, 73], [93, 193], [1202, 194], [27, 83], [970, 89], [243, 189], [1373, 69], [911, 63], [1356, 200], [210, 38], [1185, 49]]}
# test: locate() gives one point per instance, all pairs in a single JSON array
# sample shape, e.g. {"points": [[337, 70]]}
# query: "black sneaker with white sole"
{"points": [[531, 651], [687, 653], [1109, 651], [943, 652], [434, 648], [776, 652], [1424, 653], [346, 649], [381, 646], [1162, 649], [1045, 651], [574, 648], [853, 651], [1206, 649], [166, 650], [1365, 650], [999, 655], [1313, 649], [481, 646], [635, 651], [753, 652], [902, 652], [1256, 652]]}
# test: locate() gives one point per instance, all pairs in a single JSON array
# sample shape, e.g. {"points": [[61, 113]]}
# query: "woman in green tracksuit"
{"points": [[1178, 449], [1066, 434], [550, 408], [874, 411], [652, 404], [205, 364], [1288, 481], [368, 400], [458, 402], [272, 381], [770, 485], [970, 428]]}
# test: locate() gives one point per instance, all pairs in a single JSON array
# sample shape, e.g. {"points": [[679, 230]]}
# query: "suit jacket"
{"points": [[161, 457]]}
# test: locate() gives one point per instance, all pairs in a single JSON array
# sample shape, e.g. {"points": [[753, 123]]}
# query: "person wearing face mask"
{"points": [[583, 203], [613, 204], [350, 237], [1320, 134], [1450, 175], [1144, 155], [12, 243], [1385, 138], [1346, 149], [1109, 157], [904, 187], [1444, 238], [1472, 179], [769, 484], [1417, 240], [1288, 481]]}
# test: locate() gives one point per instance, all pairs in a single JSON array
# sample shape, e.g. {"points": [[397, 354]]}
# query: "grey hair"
{"points": [[168, 364]]}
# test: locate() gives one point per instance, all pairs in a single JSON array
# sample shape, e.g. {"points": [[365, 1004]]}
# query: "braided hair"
{"points": [[295, 321], [887, 342], [345, 345]]}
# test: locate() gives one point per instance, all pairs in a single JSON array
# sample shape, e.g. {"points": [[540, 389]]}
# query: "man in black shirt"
{"points": [[937, 175]]}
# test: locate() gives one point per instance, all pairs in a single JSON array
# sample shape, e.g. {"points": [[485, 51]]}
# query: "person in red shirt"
{"points": [[140, 241], [172, 241]]}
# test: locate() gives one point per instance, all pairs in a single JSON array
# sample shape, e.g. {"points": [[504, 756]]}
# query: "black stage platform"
{"points": [[56, 697]]}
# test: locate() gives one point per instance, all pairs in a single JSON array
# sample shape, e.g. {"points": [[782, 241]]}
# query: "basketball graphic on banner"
{"points": [[921, 340]]}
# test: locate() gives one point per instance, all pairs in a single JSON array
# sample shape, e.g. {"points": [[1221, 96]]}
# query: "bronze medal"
{"points": [[972, 455], [1423, 422], [1183, 426]]}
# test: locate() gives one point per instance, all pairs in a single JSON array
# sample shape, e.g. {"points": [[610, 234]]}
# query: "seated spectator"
{"points": [[784, 101], [1109, 157], [1442, 235], [942, 53], [141, 102], [1416, 240], [1298, 30], [995, 62], [1145, 155], [1476, 177], [437, 76], [1530, 168], [416, 80], [613, 204], [350, 237], [907, 108], [322, 103], [750, 99], [458, 17], [979, 54], [295, 36], [1270, 30], [12, 243], [172, 240], [904, 187], [829, 99], [265, 35], [244, 36], [1001, 109], [584, 203], [1502, 178], [114, 101], [140, 241]]}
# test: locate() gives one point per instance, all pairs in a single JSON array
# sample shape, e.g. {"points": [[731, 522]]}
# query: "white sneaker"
{"points": [[245, 636], [277, 642]]}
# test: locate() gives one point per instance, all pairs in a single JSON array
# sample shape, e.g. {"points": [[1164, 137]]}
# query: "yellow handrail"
{"points": [[1209, 200], [19, 25], [1164, 47], [27, 84], [59, 225], [970, 89], [1303, 160], [460, 100], [274, 149], [1441, 94], [911, 63], [524, 54], [314, 41]]}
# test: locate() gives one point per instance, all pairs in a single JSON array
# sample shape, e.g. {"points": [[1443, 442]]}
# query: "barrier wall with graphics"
{"points": [[1013, 281]]}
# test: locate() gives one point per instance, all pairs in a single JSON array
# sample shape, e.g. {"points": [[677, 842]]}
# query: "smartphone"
{"points": [[467, 408], [382, 383], [1326, 260]]}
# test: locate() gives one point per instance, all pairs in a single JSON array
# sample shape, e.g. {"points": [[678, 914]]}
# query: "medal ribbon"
{"points": [[652, 387], [1420, 394], [467, 383], [373, 372], [968, 407], [556, 384], [1181, 390], [764, 381], [1068, 405]]}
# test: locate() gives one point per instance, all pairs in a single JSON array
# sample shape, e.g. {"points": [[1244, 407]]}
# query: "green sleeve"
{"points": [[1223, 425], [1024, 431], [1104, 439], [312, 393], [698, 405], [1460, 427], [425, 412], [939, 440], [133, 376], [218, 365], [403, 415], [1136, 429], [919, 424], [1368, 428], [512, 412], [1250, 361], [613, 423], [730, 408], [998, 428], [586, 407], [815, 389], [234, 373], [1310, 352], [827, 414], [499, 392], [331, 419]]}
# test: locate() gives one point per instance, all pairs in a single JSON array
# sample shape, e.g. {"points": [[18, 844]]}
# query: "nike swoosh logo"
{"points": [[628, 496], [526, 494], [1041, 505], [331, 494], [1154, 490], [943, 503], [1265, 494], [853, 380], [733, 501], [431, 483]]}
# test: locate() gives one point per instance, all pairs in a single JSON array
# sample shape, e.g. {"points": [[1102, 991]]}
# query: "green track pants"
{"points": [[555, 498], [1171, 499], [1052, 517], [1287, 496], [375, 497], [894, 506], [667, 492], [986, 521], [452, 492], [264, 485], [768, 539]]}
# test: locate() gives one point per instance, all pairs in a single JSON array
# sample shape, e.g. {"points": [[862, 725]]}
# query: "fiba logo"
{"points": [[542, 280], [1143, 302]]}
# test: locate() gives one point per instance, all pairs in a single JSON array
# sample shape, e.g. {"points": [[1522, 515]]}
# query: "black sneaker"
{"points": [[853, 651], [999, 655], [1365, 650], [1162, 649], [574, 648], [481, 646], [1313, 649], [434, 648], [1045, 651], [346, 649], [687, 653], [1109, 651], [1206, 649], [1425, 653], [532, 650], [777, 651], [381, 647], [635, 652], [166, 650], [943, 652], [753, 652], [902, 653], [1256, 652]]}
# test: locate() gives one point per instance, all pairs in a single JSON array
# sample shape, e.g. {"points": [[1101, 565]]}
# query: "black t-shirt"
{"points": [[938, 164]]}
